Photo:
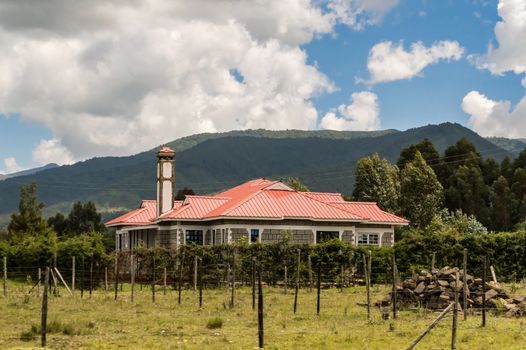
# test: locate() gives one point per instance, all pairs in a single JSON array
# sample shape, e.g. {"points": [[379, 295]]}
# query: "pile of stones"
{"points": [[436, 290]]}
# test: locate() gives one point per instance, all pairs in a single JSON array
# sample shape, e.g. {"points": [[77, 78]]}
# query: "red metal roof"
{"points": [[369, 211], [262, 198], [195, 207], [140, 216]]}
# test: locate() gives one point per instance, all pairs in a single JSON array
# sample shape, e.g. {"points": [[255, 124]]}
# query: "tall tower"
{"points": [[165, 180]]}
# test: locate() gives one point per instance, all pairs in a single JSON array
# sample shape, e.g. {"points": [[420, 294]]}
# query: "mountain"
{"points": [[29, 171], [324, 160], [514, 146]]}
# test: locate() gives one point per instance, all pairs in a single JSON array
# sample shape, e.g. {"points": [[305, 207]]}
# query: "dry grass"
{"points": [[102, 323]]}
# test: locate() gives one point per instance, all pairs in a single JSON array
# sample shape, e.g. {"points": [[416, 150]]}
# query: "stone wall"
{"points": [[238, 233], [302, 236], [387, 239], [348, 236]]}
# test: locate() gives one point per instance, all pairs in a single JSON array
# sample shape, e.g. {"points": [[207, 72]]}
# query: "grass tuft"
{"points": [[214, 323]]}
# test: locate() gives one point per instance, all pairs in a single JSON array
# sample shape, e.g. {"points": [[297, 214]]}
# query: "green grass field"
{"points": [[101, 322]]}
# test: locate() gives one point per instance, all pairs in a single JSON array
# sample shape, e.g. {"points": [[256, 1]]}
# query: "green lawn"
{"points": [[103, 323]]}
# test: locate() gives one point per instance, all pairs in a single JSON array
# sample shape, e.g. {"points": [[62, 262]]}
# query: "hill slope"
{"points": [[324, 160], [514, 146]]}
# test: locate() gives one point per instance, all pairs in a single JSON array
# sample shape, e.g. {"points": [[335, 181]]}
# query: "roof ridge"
{"points": [[211, 197], [328, 204]]}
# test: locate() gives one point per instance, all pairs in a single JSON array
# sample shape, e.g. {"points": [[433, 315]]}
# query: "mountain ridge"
{"points": [[324, 160]]}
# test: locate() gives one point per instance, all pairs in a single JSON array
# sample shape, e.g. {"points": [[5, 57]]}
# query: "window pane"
{"points": [[254, 235], [194, 236]]}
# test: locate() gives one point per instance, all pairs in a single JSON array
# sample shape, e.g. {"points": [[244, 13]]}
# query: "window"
{"points": [[194, 236], [323, 236], [368, 238], [254, 236]]}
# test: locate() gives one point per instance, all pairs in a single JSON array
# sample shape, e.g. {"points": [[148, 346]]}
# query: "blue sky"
{"points": [[71, 94]]}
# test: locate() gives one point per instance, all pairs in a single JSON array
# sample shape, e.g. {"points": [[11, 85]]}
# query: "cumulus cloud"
{"points": [[11, 166], [361, 114], [389, 61], [510, 32], [495, 118], [117, 77], [52, 151]]}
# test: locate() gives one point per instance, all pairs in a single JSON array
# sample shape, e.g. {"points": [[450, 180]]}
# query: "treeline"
{"points": [[32, 241], [422, 182]]}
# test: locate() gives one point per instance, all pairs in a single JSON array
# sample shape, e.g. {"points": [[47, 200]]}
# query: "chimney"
{"points": [[165, 180]]}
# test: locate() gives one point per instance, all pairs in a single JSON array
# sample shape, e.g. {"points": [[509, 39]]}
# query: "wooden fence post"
{"points": [[394, 288], [366, 273], [38, 283], [297, 281], [165, 276], [260, 311], [484, 272], [5, 276], [455, 315], [233, 294], [153, 276], [43, 320], [309, 265], [341, 269], [318, 287], [91, 277], [200, 269], [73, 274], [433, 262], [195, 273], [465, 287], [116, 274], [132, 277], [180, 278], [82, 279], [106, 279], [253, 283], [285, 280]]}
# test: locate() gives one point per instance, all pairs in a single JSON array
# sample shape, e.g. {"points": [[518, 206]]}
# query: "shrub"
{"points": [[214, 323]]}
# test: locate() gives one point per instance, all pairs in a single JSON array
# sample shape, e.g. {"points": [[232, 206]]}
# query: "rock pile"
{"points": [[436, 290]]}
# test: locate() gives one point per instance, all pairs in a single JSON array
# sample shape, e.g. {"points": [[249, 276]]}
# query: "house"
{"points": [[260, 210]]}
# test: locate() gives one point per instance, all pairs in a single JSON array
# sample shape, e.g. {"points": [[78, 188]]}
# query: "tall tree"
{"points": [[84, 218], [421, 193], [468, 192], [28, 220], [501, 205], [377, 180], [426, 149]]}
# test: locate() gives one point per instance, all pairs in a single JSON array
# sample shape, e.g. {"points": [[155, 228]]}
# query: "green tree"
{"points": [[501, 205], [420, 192], [426, 149], [182, 193], [296, 184], [28, 220], [518, 190], [84, 218], [468, 192], [377, 180]]}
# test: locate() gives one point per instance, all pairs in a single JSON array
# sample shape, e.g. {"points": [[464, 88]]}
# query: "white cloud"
{"points": [[510, 32], [52, 151], [495, 118], [117, 77], [389, 61], [360, 13], [11, 166], [361, 114]]}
